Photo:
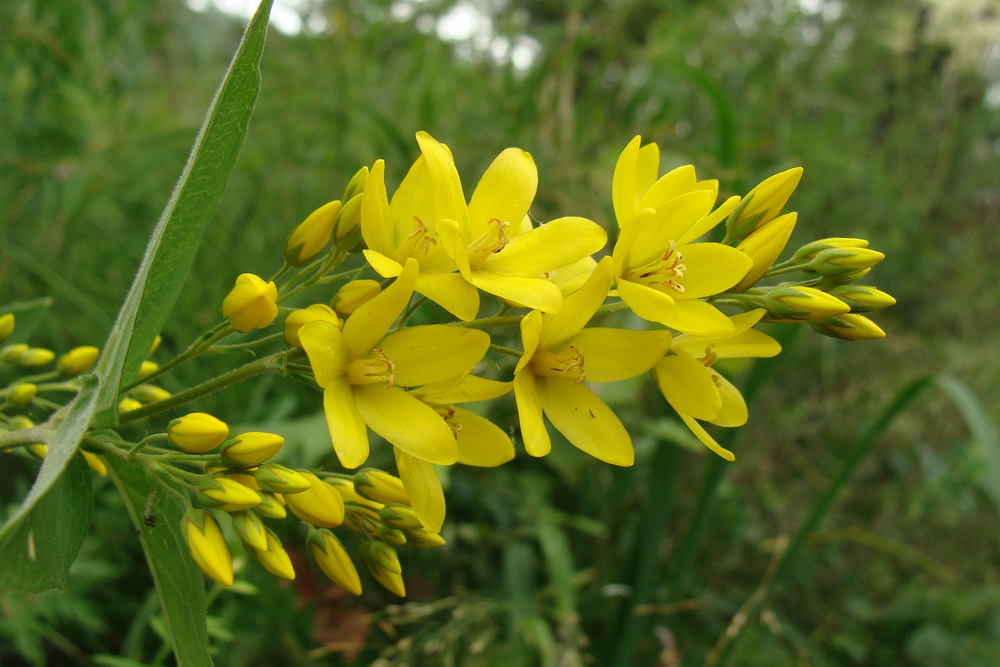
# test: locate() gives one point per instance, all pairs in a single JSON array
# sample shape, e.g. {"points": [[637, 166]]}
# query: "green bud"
{"points": [[421, 537], [798, 302], [840, 261], [862, 298], [12, 352], [400, 516], [250, 529], [391, 535], [356, 186], [279, 479], [848, 327], [382, 561], [810, 250]]}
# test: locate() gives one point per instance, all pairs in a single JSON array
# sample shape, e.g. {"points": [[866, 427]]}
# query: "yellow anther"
{"points": [[372, 371], [553, 365], [490, 242]]}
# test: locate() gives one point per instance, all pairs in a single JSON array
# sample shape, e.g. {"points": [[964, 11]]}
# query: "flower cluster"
{"points": [[506, 306]]}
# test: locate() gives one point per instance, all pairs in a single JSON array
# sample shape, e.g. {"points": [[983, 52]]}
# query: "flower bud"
{"points": [[763, 246], [147, 368], [35, 356], [22, 394], [400, 516], [848, 327], [252, 449], [150, 393], [20, 422], [421, 537], [12, 352], [252, 303], [312, 234], [348, 491], [354, 294], [197, 432], [155, 345], [862, 298], [841, 261], [801, 303], [320, 505], [272, 506], [274, 558], [380, 486], [95, 463], [6, 326], [77, 361], [279, 479], [250, 529], [810, 250], [390, 535], [830, 281], [346, 229], [382, 561], [128, 404], [299, 318], [356, 185], [332, 558], [207, 546], [226, 494], [762, 204]]}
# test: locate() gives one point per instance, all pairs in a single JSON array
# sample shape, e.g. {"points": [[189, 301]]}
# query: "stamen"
{"points": [[372, 371], [662, 272], [710, 357], [490, 242], [416, 244], [552, 365]]}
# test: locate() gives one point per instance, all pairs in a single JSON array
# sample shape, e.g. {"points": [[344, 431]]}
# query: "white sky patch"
{"points": [[286, 15]]}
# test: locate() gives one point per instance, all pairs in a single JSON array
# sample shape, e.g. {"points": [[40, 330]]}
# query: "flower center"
{"points": [[416, 244], [447, 413], [553, 365], [490, 242], [662, 273], [371, 370]]}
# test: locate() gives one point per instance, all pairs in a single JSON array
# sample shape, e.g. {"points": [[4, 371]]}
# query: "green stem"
{"points": [[247, 345], [25, 436], [507, 350], [244, 372], [137, 447], [220, 330]]}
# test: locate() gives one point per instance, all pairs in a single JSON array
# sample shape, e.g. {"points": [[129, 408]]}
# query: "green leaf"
{"points": [[38, 549], [57, 525], [180, 585], [178, 232], [984, 433]]}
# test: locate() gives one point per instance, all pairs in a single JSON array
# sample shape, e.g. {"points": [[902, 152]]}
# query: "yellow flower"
{"points": [[274, 558], [699, 392], [207, 546], [312, 234], [252, 449], [299, 318], [362, 371], [78, 360], [559, 355], [331, 557], [320, 505], [197, 432], [252, 303]]}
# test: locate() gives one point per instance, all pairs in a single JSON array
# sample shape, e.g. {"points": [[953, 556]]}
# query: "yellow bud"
{"points": [[150, 393], [352, 295], [320, 505], [382, 561], [810, 250], [348, 491], [147, 368], [6, 326], [862, 298], [275, 559], [95, 463], [272, 506], [390, 535], [20, 422], [12, 352], [197, 432], [348, 221], [380, 486], [252, 303], [207, 546], [252, 449], [421, 537], [848, 327], [22, 394], [299, 318], [801, 303], [763, 246], [400, 516], [35, 356], [155, 345], [226, 494], [312, 234], [279, 479], [331, 557], [250, 529], [356, 185], [128, 404], [762, 204], [38, 450], [78, 360], [841, 261]]}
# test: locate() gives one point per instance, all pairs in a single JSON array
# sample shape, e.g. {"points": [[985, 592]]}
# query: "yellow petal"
{"points": [[368, 324], [577, 308], [412, 200], [407, 423], [470, 389], [652, 234], [324, 345], [687, 385], [384, 266], [347, 428], [450, 291], [529, 411], [611, 355], [734, 408], [531, 331], [535, 293], [706, 439], [623, 183], [647, 166], [649, 304], [586, 421], [698, 317], [674, 183], [424, 489], [449, 201], [708, 222], [504, 192], [434, 352], [481, 442], [712, 268], [548, 247], [376, 229], [764, 245]]}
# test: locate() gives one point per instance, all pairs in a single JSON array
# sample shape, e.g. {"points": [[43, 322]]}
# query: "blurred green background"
{"points": [[891, 106]]}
